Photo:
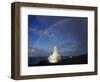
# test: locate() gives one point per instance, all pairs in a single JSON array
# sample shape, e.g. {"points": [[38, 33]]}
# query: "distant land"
{"points": [[65, 60]]}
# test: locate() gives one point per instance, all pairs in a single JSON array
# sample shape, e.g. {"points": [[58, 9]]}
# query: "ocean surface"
{"points": [[65, 60]]}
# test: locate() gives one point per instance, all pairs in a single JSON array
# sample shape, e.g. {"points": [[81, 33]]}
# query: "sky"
{"points": [[68, 34]]}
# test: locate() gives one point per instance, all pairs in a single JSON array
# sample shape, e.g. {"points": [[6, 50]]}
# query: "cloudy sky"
{"points": [[68, 34]]}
